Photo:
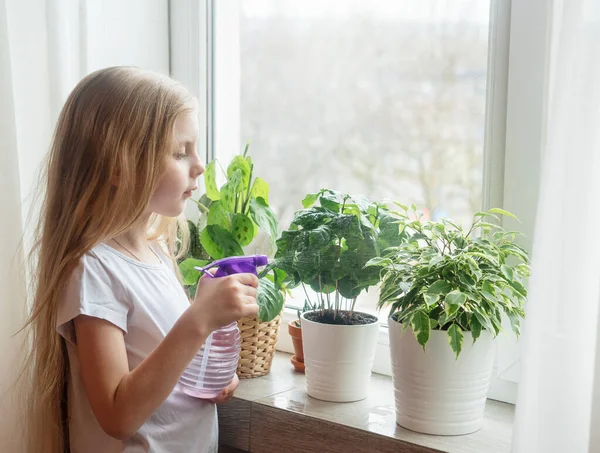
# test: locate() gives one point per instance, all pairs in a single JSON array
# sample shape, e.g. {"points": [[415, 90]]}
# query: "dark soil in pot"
{"points": [[343, 318]]}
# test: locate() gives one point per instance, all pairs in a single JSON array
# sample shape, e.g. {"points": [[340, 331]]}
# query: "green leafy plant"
{"points": [[230, 218], [453, 280], [329, 242]]}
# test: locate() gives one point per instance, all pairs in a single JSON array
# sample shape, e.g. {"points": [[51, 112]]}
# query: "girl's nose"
{"points": [[198, 168]]}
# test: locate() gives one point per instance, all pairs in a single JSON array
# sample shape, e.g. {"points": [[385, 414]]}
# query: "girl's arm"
{"points": [[123, 400]]}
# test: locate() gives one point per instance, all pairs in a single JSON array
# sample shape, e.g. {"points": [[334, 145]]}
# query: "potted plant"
{"points": [[295, 331], [325, 249], [230, 219], [448, 289]]}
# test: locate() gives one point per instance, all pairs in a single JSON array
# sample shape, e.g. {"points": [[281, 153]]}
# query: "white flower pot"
{"points": [[436, 393], [338, 359]]}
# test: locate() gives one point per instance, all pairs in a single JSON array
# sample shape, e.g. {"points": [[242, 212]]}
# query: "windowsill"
{"points": [[274, 413]]}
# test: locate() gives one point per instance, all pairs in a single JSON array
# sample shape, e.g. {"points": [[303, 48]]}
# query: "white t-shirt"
{"points": [[145, 301]]}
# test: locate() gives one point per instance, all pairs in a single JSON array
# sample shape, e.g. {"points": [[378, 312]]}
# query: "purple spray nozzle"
{"points": [[235, 265]]}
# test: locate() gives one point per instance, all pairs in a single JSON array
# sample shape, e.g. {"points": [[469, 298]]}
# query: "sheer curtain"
{"points": [[11, 292], [27, 109], [557, 406], [46, 47]]}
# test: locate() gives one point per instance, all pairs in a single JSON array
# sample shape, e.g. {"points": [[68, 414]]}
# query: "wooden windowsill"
{"points": [[274, 414]]}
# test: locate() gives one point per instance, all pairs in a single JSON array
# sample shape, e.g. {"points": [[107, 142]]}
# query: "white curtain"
{"points": [[558, 405], [46, 47], [28, 107], [11, 292]]}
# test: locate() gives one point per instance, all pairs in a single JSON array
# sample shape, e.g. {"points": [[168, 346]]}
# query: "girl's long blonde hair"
{"points": [[110, 147]]}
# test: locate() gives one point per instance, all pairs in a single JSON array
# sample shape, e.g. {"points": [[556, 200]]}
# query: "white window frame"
{"points": [[204, 41]]}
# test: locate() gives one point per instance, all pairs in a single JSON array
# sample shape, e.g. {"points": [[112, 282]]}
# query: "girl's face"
{"points": [[184, 167]]}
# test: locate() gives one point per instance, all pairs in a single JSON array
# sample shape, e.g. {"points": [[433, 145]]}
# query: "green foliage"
{"points": [[329, 242], [230, 218], [444, 278]]}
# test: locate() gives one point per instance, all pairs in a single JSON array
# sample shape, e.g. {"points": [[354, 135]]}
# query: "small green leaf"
{"points": [[319, 236], [515, 322], [435, 260], [421, 327], [484, 319], [260, 189], [431, 299], [440, 287], [455, 338], [456, 298], [217, 215], [243, 229], [241, 164], [348, 288], [264, 218], [475, 328], [189, 274], [451, 311], [503, 212], [310, 199], [269, 300], [379, 261], [489, 296], [210, 181], [518, 287], [219, 243], [507, 271], [466, 279], [230, 190]]}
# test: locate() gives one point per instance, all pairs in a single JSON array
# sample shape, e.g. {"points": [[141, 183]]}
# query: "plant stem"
{"points": [[321, 293], [306, 292], [246, 202], [201, 207], [353, 304]]}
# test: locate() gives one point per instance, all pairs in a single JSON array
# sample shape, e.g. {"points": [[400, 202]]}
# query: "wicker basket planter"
{"points": [[258, 346]]}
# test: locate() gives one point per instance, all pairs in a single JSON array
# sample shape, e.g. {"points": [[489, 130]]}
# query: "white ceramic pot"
{"points": [[338, 359], [436, 393]]}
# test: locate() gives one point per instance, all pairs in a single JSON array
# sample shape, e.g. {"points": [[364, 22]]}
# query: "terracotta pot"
{"points": [[298, 358]]}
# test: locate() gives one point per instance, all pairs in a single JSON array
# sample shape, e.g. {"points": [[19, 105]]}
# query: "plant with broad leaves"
{"points": [[329, 242], [446, 278], [230, 218]]}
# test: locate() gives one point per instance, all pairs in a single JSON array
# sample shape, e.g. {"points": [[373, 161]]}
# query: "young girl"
{"points": [[112, 327]]}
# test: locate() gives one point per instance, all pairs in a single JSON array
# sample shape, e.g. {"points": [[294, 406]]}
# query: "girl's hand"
{"points": [[227, 392], [221, 301]]}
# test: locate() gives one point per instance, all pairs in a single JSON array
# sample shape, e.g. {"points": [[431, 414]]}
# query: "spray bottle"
{"points": [[215, 364]]}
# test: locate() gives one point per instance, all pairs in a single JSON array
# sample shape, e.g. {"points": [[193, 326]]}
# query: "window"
{"points": [[385, 99], [408, 100]]}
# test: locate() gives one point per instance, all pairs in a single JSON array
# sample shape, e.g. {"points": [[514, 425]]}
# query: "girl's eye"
{"points": [[180, 155]]}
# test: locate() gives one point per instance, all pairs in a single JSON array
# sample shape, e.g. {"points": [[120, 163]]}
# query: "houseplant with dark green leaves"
{"points": [[449, 289], [328, 244], [324, 251], [230, 218]]}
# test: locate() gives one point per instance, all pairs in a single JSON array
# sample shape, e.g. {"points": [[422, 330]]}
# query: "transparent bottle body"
{"points": [[215, 364]]}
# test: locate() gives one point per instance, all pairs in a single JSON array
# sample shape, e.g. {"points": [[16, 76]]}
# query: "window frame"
{"points": [[204, 41]]}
